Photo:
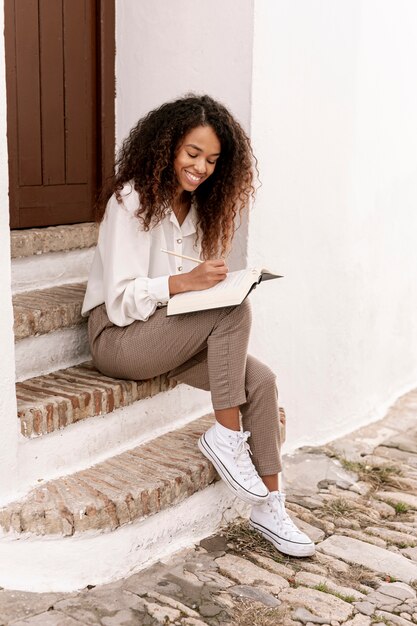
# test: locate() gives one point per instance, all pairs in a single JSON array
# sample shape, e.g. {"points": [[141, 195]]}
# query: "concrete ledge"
{"points": [[51, 402], [43, 311], [118, 491], [53, 239]]}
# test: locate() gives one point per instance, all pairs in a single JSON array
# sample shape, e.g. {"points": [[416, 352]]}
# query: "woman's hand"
{"points": [[204, 276], [207, 274]]}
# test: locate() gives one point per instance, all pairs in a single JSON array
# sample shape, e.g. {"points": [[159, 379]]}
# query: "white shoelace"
{"points": [[277, 505], [242, 457]]}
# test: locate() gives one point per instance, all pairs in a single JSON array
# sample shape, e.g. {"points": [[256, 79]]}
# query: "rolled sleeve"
{"points": [[158, 289]]}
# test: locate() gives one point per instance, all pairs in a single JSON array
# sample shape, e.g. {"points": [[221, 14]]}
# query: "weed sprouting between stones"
{"points": [[381, 619], [377, 475], [401, 508], [338, 507], [390, 579], [325, 589]]}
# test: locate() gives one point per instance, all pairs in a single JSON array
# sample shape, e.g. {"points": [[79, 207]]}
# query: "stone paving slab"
{"points": [[236, 578], [19, 604], [48, 619], [375, 558]]}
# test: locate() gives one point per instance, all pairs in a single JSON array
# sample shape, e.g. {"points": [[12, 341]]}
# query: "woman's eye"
{"points": [[193, 156], [211, 162]]}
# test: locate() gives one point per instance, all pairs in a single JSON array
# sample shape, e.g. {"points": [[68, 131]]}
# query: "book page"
{"points": [[227, 289]]}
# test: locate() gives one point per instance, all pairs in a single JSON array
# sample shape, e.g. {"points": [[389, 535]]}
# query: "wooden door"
{"points": [[60, 100]]}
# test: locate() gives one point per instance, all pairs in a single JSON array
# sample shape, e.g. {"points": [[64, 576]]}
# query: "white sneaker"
{"points": [[274, 523], [229, 452]]}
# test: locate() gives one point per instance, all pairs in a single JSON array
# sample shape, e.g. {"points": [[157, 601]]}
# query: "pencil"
{"points": [[182, 256]]}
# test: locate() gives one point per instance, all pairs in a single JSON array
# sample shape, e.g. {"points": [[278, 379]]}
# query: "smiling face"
{"points": [[196, 157]]}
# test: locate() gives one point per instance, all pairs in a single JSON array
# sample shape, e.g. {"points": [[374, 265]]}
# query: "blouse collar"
{"points": [[189, 225]]}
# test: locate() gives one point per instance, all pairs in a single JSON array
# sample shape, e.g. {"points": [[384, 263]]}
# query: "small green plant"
{"points": [[381, 619], [400, 508], [352, 466], [326, 589], [390, 579]]}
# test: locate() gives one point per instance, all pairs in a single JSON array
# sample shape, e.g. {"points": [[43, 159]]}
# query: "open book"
{"points": [[230, 291]]}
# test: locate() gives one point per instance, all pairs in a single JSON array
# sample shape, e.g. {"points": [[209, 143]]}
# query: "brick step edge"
{"points": [[45, 310], [31, 241], [127, 487], [56, 400]]}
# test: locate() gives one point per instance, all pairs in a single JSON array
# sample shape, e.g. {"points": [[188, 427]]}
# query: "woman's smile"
{"points": [[193, 178]]}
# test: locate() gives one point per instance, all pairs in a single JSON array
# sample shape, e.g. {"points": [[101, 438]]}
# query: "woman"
{"points": [[183, 175]]}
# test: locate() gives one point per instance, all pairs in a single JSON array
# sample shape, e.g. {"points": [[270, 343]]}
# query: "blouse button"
{"points": [[179, 268], [179, 240]]}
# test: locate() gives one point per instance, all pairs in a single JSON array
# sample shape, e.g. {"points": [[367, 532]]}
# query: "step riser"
{"points": [[36, 356], [50, 269], [95, 439], [74, 562]]}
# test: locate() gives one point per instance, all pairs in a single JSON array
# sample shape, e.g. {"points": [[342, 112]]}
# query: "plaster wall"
{"points": [[334, 127], [9, 423], [166, 49]]}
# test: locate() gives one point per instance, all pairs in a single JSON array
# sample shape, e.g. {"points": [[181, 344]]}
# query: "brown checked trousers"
{"points": [[207, 350]]}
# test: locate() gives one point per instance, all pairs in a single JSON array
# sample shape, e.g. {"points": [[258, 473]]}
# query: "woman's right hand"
{"points": [[204, 276], [207, 274]]}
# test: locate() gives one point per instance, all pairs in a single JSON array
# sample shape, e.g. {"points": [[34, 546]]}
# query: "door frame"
{"points": [[107, 88]]}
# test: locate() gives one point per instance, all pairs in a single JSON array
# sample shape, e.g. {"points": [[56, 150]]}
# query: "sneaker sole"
{"points": [[234, 486], [283, 545]]}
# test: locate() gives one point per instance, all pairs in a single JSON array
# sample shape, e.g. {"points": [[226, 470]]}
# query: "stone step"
{"points": [[49, 403], [54, 256], [46, 310], [33, 241], [130, 486]]}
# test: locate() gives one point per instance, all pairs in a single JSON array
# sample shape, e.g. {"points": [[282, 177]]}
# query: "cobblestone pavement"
{"points": [[356, 497]]}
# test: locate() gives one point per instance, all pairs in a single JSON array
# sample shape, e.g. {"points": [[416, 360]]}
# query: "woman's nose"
{"points": [[201, 166]]}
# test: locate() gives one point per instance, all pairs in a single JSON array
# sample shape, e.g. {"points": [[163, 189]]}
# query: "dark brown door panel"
{"points": [[60, 89]]}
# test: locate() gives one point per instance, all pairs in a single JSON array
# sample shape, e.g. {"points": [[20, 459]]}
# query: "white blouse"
{"points": [[129, 272]]}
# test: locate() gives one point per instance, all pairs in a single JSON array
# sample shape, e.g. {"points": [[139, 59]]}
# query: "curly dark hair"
{"points": [[147, 157]]}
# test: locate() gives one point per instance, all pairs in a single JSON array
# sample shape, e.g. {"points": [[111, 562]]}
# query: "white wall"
{"points": [[334, 126], [8, 416], [165, 49]]}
